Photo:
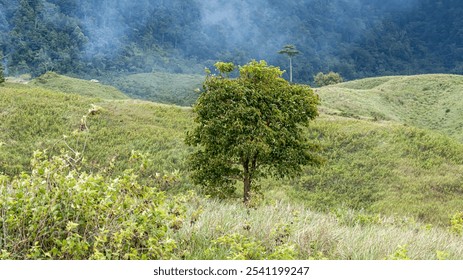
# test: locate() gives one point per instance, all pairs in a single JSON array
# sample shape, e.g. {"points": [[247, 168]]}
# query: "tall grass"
{"points": [[343, 235]]}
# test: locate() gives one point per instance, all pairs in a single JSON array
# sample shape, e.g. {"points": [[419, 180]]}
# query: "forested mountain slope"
{"points": [[357, 38]]}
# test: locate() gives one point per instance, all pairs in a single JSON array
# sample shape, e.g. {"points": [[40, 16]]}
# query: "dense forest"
{"points": [[357, 38]]}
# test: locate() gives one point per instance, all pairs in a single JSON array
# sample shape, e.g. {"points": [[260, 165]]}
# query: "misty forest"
{"points": [[238, 129], [356, 38]]}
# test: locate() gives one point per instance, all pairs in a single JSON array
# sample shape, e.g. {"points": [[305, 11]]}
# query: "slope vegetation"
{"points": [[178, 89], [104, 130], [374, 166], [381, 180]]}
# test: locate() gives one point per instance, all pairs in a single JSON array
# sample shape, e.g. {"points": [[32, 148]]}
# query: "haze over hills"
{"points": [[357, 38]]}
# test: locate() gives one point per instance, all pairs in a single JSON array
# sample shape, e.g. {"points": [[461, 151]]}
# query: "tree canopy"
{"points": [[250, 127]]}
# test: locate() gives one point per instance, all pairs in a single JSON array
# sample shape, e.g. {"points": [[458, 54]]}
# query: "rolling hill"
{"points": [[389, 167], [92, 88], [426, 101]]}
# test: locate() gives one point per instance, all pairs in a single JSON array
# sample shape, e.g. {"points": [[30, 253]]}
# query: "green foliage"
{"points": [[250, 127], [401, 253], [60, 212], [456, 223], [331, 78], [289, 50], [224, 67], [142, 36], [239, 247], [442, 255], [387, 179]]}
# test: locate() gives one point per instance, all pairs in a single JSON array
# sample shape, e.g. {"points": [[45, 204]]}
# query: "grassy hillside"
{"points": [[426, 101], [36, 118], [381, 167], [384, 168], [380, 180], [179, 89], [53, 81]]}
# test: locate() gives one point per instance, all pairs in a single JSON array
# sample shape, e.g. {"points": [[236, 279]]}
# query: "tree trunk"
{"points": [[246, 182], [247, 189], [290, 70]]}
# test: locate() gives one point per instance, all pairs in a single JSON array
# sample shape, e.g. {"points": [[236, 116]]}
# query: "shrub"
{"points": [[456, 223], [59, 212], [327, 79], [401, 253], [240, 247]]}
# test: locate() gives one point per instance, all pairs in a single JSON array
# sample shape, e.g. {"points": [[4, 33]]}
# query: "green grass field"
{"points": [[393, 162]]}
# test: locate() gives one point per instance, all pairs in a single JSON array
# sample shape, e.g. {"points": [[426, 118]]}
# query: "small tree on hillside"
{"points": [[250, 127], [331, 78], [290, 51]]}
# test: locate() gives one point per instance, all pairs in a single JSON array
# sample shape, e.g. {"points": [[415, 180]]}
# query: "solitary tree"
{"points": [[290, 51], [250, 127]]}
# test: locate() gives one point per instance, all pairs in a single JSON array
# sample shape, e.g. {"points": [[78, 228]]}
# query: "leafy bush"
{"points": [[401, 253], [331, 78], [60, 212], [456, 223], [240, 247]]}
